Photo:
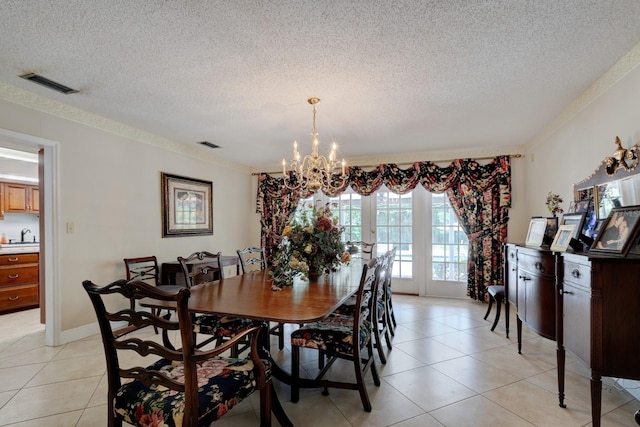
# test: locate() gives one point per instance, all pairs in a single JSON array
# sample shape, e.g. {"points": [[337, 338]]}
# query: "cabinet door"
{"points": [[511, 276], [576, 303], [540, 312], [34, 199], [16, 198]]}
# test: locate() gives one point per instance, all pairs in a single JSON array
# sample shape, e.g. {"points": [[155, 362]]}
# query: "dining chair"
{"points": [[178, 387], [360, 249], [145, 269], [342, 337], [201, 268], [382, 328], [496, 294], [391, 317], [253, 259]]}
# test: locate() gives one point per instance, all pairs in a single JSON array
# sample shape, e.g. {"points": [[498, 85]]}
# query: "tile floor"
{"points": [[446, 368]]}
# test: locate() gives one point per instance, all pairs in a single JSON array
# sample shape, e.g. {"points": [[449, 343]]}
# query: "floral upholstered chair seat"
{"points": [[222, 384], [332, 335], [221, 326]]}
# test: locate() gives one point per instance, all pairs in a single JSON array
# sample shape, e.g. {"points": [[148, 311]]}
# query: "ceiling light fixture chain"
{"points": [[314, 172]]}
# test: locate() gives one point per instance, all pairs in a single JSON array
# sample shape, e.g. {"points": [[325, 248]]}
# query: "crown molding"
{"points": [[33, 101]]}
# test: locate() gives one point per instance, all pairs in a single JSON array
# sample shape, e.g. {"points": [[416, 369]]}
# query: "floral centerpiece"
{"points": [[553, 203], [310, 245]]}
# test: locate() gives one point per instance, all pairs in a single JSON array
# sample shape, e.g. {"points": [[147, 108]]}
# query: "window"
{"points": [[449, 243], [394, 227], [350, 214]]}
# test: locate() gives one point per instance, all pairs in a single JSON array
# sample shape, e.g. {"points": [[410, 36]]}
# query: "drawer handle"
{"points": [[576, 273], [13, 276], [566, 292], [525, 278], [14, 298], [13, 259], [538, 266]]}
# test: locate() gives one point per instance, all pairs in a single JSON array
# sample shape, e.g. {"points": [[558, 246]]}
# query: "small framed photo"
{"points": [[583, 206], [576, 219], [550, 230], [187, 208], [617, 231], [563, 238], [535, 235]]}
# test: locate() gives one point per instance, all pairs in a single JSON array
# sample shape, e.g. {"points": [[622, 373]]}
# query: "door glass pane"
{"points": [[449, 244]]}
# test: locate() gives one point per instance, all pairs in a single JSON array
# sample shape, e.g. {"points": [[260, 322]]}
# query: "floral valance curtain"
{"points": [[480, 196]]}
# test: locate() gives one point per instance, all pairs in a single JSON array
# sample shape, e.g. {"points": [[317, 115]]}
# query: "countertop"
{"points": [[8, 249]]}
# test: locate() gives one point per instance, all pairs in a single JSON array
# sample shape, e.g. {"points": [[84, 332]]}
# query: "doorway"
{"points": [[47, 259]]}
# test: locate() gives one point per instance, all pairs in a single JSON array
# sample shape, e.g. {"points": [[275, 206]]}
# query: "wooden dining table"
{"points": [[251, 295]]}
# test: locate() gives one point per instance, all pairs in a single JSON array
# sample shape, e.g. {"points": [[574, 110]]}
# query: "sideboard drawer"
{"points": [[536, 263], [18, 275], [18, 297], [577, 274]]}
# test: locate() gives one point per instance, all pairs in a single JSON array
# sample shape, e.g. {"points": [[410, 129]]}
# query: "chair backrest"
{"points": [[361, 249], [365, 314], [252, 259], [144, 269], [120, 344], [201, 267]]}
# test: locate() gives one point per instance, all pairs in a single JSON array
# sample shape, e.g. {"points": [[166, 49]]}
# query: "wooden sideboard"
{"points": [[596, 300], [530, 282], [601, 319]]}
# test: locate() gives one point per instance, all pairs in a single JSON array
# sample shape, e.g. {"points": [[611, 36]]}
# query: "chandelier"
{"points": [[314, 172]]}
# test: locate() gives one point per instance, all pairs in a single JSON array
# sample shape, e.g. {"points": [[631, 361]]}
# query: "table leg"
{"points": [[519, 329], [596, 399]]}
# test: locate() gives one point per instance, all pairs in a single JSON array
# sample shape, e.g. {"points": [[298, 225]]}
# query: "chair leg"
{"points": [[362, 388], [295, 373], [378, 343], [265, 405], [498, 307], [281, 336], [489, 308]]}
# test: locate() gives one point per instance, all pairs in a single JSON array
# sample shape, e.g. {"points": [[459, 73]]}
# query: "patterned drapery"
{"points": [[275, 204], [479, 194]]}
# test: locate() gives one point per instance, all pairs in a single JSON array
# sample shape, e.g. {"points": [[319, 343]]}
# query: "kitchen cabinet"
{"points": [[19, 281], [20, 198]]}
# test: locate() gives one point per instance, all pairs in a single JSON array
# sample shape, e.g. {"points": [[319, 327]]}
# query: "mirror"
{"points": [[615, 183]]}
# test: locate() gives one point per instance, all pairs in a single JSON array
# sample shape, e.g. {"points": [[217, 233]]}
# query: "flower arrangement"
{"points": [[311, 243], [553, 203]]}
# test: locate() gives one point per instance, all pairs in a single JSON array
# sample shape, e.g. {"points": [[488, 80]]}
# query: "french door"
{"points": [[430, 247]]}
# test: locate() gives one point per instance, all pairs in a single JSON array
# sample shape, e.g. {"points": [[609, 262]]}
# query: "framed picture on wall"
{"points": [[187, 207]]}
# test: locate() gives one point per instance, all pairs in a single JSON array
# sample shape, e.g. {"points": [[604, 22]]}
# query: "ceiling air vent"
{"points": [[209, 144], [48, 83]]}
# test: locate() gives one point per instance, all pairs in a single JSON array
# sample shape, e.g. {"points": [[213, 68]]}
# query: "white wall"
{"points": [[109, 188], [576, 149]]}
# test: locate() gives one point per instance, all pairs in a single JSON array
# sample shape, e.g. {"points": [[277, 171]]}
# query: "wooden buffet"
{"points": [[597, 302]]}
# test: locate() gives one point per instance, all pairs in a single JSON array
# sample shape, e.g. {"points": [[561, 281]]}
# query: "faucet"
{"points": [[22, 233]]}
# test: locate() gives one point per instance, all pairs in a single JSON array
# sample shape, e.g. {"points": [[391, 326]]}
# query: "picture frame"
{"points": [[577, 219], [563, 238], [582, 206], [535, 235], [187, 206], [550, 230], [617, 231]]}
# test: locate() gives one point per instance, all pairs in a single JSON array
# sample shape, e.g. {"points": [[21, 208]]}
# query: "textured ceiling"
{"points": [[394, 77]]}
